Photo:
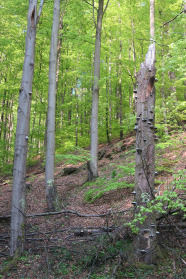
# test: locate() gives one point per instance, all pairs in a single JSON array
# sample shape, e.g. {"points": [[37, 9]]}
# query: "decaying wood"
{"points": [[93, 231], [145, 240], [180, 225]]}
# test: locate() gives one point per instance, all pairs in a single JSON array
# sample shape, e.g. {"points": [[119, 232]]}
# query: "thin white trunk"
{"points": [[163, 99], [93, 171], [51, 193], [152, 19], [22, 133]]}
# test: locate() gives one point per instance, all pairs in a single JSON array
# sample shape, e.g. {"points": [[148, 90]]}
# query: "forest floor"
{"points": [[86, 239]]}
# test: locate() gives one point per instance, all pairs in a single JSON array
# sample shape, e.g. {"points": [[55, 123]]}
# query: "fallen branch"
{"points": [[70, 212], [181, 225], [115, 269], [167, 214], [93, 231]]}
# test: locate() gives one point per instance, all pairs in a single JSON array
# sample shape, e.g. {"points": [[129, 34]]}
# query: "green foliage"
{"points": [[79, 155], [166, 166], [118, 180], [168, 142], [170, 200], [98, 255], [177, 112], [105, 251], [122, 40]]}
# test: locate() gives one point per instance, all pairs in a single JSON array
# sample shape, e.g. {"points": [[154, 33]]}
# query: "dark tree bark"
{"points": [[144, 242]]}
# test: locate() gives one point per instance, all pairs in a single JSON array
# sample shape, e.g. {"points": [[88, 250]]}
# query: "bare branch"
{"points": [[183, 11], [151, 40], [93, 14], [40, 10], [115, 268], [106, 7], [92, 5]]}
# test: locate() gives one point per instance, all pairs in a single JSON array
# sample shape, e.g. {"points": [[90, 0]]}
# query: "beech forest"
{"points": [[92, 139]]}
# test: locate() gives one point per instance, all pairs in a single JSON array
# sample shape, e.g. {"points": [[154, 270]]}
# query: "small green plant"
{"points": [[169, 201], [113, 174], [103, 253], [118, 180], [79, 156]]}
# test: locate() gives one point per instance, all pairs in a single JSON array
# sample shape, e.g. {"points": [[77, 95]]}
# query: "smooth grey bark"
{"points": [[152, 20], [107, 104], [145, 240], [17, 240], [93, 168], [51, 192], [120, 95], [163, 100]]}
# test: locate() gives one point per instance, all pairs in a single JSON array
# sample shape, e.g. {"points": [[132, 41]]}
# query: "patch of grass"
{"points": [[165, 165], [79, 155], [6, 170], [102, 255], [159, 182], [117, 180], [61, 262], [31, 178], [168, 142]]}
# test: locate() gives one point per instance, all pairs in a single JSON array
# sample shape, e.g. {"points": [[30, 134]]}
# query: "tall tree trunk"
{"points": [[120, 84], [22, 133], [77, 114], [120, 95], [163, 99], [107, 104], [93, 168], [134, 59], [145, 240], [51, 192]]}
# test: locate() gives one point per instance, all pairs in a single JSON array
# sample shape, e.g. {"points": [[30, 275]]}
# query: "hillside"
{"points": [[89, 238]]}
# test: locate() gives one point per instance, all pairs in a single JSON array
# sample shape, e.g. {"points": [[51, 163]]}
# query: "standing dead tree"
{"points": [[145, 240]]}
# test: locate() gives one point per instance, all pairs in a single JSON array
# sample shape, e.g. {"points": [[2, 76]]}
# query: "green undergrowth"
{"points": [[95, 260], [75, 156], [164, 165], [171, 200], [104, 258], [108, 257], [168, 145], [117, 179], [116, 176]]}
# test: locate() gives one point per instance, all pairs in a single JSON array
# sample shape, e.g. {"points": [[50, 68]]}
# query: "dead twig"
{"points": [[115, 269]]}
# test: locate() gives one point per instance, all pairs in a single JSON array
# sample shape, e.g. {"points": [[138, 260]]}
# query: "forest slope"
{"points": [[109, 196]]}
